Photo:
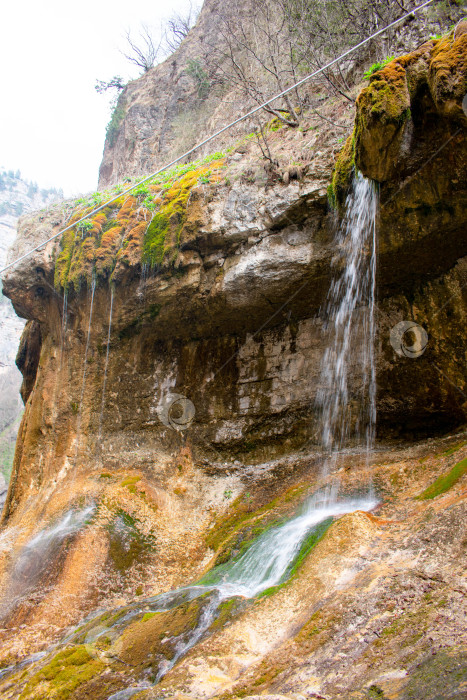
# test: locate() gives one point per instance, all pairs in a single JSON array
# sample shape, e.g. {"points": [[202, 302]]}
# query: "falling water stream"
{"points": [[85, 368], [106, 365], [38, 553], [347, 408], [347, 394]]}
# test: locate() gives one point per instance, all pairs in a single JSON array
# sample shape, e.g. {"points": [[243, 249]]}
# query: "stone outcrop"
{"points": [[16, 197], [162, 115]]}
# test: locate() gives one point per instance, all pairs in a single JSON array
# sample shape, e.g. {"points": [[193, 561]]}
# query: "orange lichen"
{"points": [[144, 227]]}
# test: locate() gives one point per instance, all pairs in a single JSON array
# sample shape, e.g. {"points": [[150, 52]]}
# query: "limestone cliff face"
{"points": [[214, 279], [16, 197], [161, 115]]}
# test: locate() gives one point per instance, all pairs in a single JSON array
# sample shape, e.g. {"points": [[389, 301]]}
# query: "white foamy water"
{"points": [[347, 393], [38, 553]]}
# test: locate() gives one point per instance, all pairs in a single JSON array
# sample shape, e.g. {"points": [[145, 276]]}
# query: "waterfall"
{"points": [[346, 397], [38, 553], [64, 324], [85, 367], [347, 409], [106, 364]]}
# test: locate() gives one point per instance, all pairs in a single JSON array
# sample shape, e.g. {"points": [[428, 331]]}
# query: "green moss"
{"points": [[58, 679], [445, 482], [387, 97], [130, 483], [342, 174], [63, 262], [147, 616], [241, 515], [438, 676], [454, 448], [127, 545], [164, 233]]}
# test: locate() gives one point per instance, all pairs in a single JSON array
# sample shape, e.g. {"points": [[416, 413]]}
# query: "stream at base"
{"points": [[267, 562]]}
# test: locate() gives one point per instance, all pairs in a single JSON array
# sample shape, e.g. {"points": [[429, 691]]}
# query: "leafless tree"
{"points": [[145, 51], [274, 43], [178, 26], [255, 55]]}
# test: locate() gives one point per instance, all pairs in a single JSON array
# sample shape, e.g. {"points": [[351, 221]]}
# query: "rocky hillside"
{"points": [[170, 449], [188, 97], [16, 198]]}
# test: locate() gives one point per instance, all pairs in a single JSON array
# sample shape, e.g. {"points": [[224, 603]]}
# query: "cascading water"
{"points": [[37, 554], [347, 394], [85, 367], [106, 364]]}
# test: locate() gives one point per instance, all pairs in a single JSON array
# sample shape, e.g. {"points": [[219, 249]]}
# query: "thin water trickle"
{"points": [[88, 338], [106, 365], [85, 367], [347, 393], [38, 553], [64, 324]]}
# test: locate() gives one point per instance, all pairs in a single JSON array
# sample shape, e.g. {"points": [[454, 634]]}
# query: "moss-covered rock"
{"points": [[70, 669], [404, 95], [383, 110], [146, 227]]}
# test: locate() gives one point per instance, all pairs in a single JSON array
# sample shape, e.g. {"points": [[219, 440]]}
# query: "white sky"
{"points": [[52, 121]]}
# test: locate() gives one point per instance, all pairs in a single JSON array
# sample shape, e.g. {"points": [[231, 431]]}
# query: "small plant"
{"points": [[204, 179], [114, 125], [377, 66], [74, 408], [141, 190], [84, 226], [199, 76], [228, 493]]}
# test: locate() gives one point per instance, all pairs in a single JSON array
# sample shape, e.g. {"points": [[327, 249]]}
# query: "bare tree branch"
{"points": [[144, 52]]}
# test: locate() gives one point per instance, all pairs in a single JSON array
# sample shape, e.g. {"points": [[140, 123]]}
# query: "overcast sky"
{"points": [[52, 121]]}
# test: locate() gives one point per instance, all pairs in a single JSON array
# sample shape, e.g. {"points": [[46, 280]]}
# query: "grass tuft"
{"points": [[445, 482]]}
